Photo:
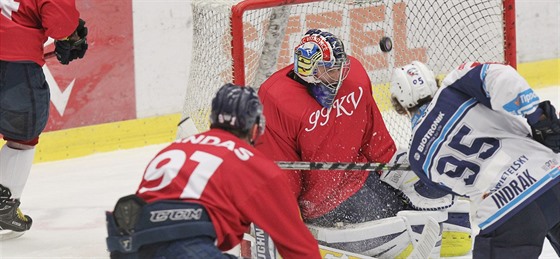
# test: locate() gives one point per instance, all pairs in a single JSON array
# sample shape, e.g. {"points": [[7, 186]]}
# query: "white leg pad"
{"points": [[417, 219], [15, 166], [384, 238]]}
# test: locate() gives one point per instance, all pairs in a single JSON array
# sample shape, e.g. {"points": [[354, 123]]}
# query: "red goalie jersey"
{"points": [[298, 128], [236, 184]]}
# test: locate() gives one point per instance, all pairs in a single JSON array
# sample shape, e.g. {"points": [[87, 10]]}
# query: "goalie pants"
{"points": [[375, 200], [523, 235], [24, 100]]}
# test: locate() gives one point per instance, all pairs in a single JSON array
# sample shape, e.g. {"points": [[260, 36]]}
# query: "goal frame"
{"points": [[245, 42], [237, 50]]}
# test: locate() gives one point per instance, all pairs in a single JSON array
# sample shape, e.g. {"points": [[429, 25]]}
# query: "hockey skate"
{"points": [[13, 223], [456, 237]]}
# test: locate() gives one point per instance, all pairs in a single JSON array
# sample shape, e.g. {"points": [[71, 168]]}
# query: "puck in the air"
{"points": [[386, 44]]}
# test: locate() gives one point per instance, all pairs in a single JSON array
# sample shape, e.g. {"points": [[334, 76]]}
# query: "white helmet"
{"points": [[411, 83]]}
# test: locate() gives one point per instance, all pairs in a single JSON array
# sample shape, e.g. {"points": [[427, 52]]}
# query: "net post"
{"points": [[237, 47], [510, 46], [237, 50]]}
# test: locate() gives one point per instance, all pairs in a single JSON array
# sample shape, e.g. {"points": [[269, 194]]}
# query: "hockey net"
{"points": [[246, 41]]}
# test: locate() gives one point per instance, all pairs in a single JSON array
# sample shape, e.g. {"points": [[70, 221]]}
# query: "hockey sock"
{"points": [[15, 166]]}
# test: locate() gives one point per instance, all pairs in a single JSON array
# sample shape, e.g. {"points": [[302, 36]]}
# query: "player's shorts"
{"points": [[161, 229], [199, 248], [24, 100]]}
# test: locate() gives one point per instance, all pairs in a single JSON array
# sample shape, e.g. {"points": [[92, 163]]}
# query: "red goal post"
{"points": [[245, 41]]}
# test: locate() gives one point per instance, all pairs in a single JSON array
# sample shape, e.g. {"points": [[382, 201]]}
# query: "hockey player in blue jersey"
{"points": [[485, 135]]}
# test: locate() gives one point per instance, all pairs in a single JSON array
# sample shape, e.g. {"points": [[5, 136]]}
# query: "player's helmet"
{"points": [[237, 108], [320, 49], [412, 83]]}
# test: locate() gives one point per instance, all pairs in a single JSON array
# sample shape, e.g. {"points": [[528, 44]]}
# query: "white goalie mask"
{"points": [[412, 83]]}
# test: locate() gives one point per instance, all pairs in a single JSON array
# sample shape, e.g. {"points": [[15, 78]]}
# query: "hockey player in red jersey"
{"points": [[200, 194], [321, 109], [338, 122], [25, 26]]}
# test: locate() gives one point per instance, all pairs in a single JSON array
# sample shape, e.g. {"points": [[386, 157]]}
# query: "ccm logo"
{"points": [[175, 215]]}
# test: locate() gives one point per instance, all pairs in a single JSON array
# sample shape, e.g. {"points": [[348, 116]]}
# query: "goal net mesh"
{"points": [[442, 34]]}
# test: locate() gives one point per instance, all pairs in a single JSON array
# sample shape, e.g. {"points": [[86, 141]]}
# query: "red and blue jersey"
{"points": [[236, 184], [25, 26]]}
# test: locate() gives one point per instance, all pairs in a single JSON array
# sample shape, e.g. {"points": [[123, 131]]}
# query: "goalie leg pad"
{"points": [[416, 221], [384, 238]]}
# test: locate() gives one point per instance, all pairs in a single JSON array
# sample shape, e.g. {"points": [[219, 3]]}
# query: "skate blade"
{"points": [[9, 234]]}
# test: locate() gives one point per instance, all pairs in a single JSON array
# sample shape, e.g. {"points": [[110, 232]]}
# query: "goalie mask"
{"points": [[320, 60], [237, 108], [412, 83]]}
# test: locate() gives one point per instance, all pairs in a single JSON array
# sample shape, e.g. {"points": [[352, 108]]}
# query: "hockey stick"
{"points": [[49, 55], [264, 246], [186, 128], [300, 165]]}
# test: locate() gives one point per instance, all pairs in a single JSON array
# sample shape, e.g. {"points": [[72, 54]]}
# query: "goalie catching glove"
{"points": [[74, 46], [420, 195], [545, 126]]}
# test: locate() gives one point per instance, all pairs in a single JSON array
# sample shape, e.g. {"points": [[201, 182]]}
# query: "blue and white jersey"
{"points": [[473, 138]]}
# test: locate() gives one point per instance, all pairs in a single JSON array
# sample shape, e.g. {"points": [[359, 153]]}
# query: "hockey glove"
{"points": [[74, 46], [420, 195], [546, 130]]}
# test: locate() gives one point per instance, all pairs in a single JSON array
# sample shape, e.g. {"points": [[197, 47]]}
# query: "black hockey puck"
{"points": [[386, 44]]}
